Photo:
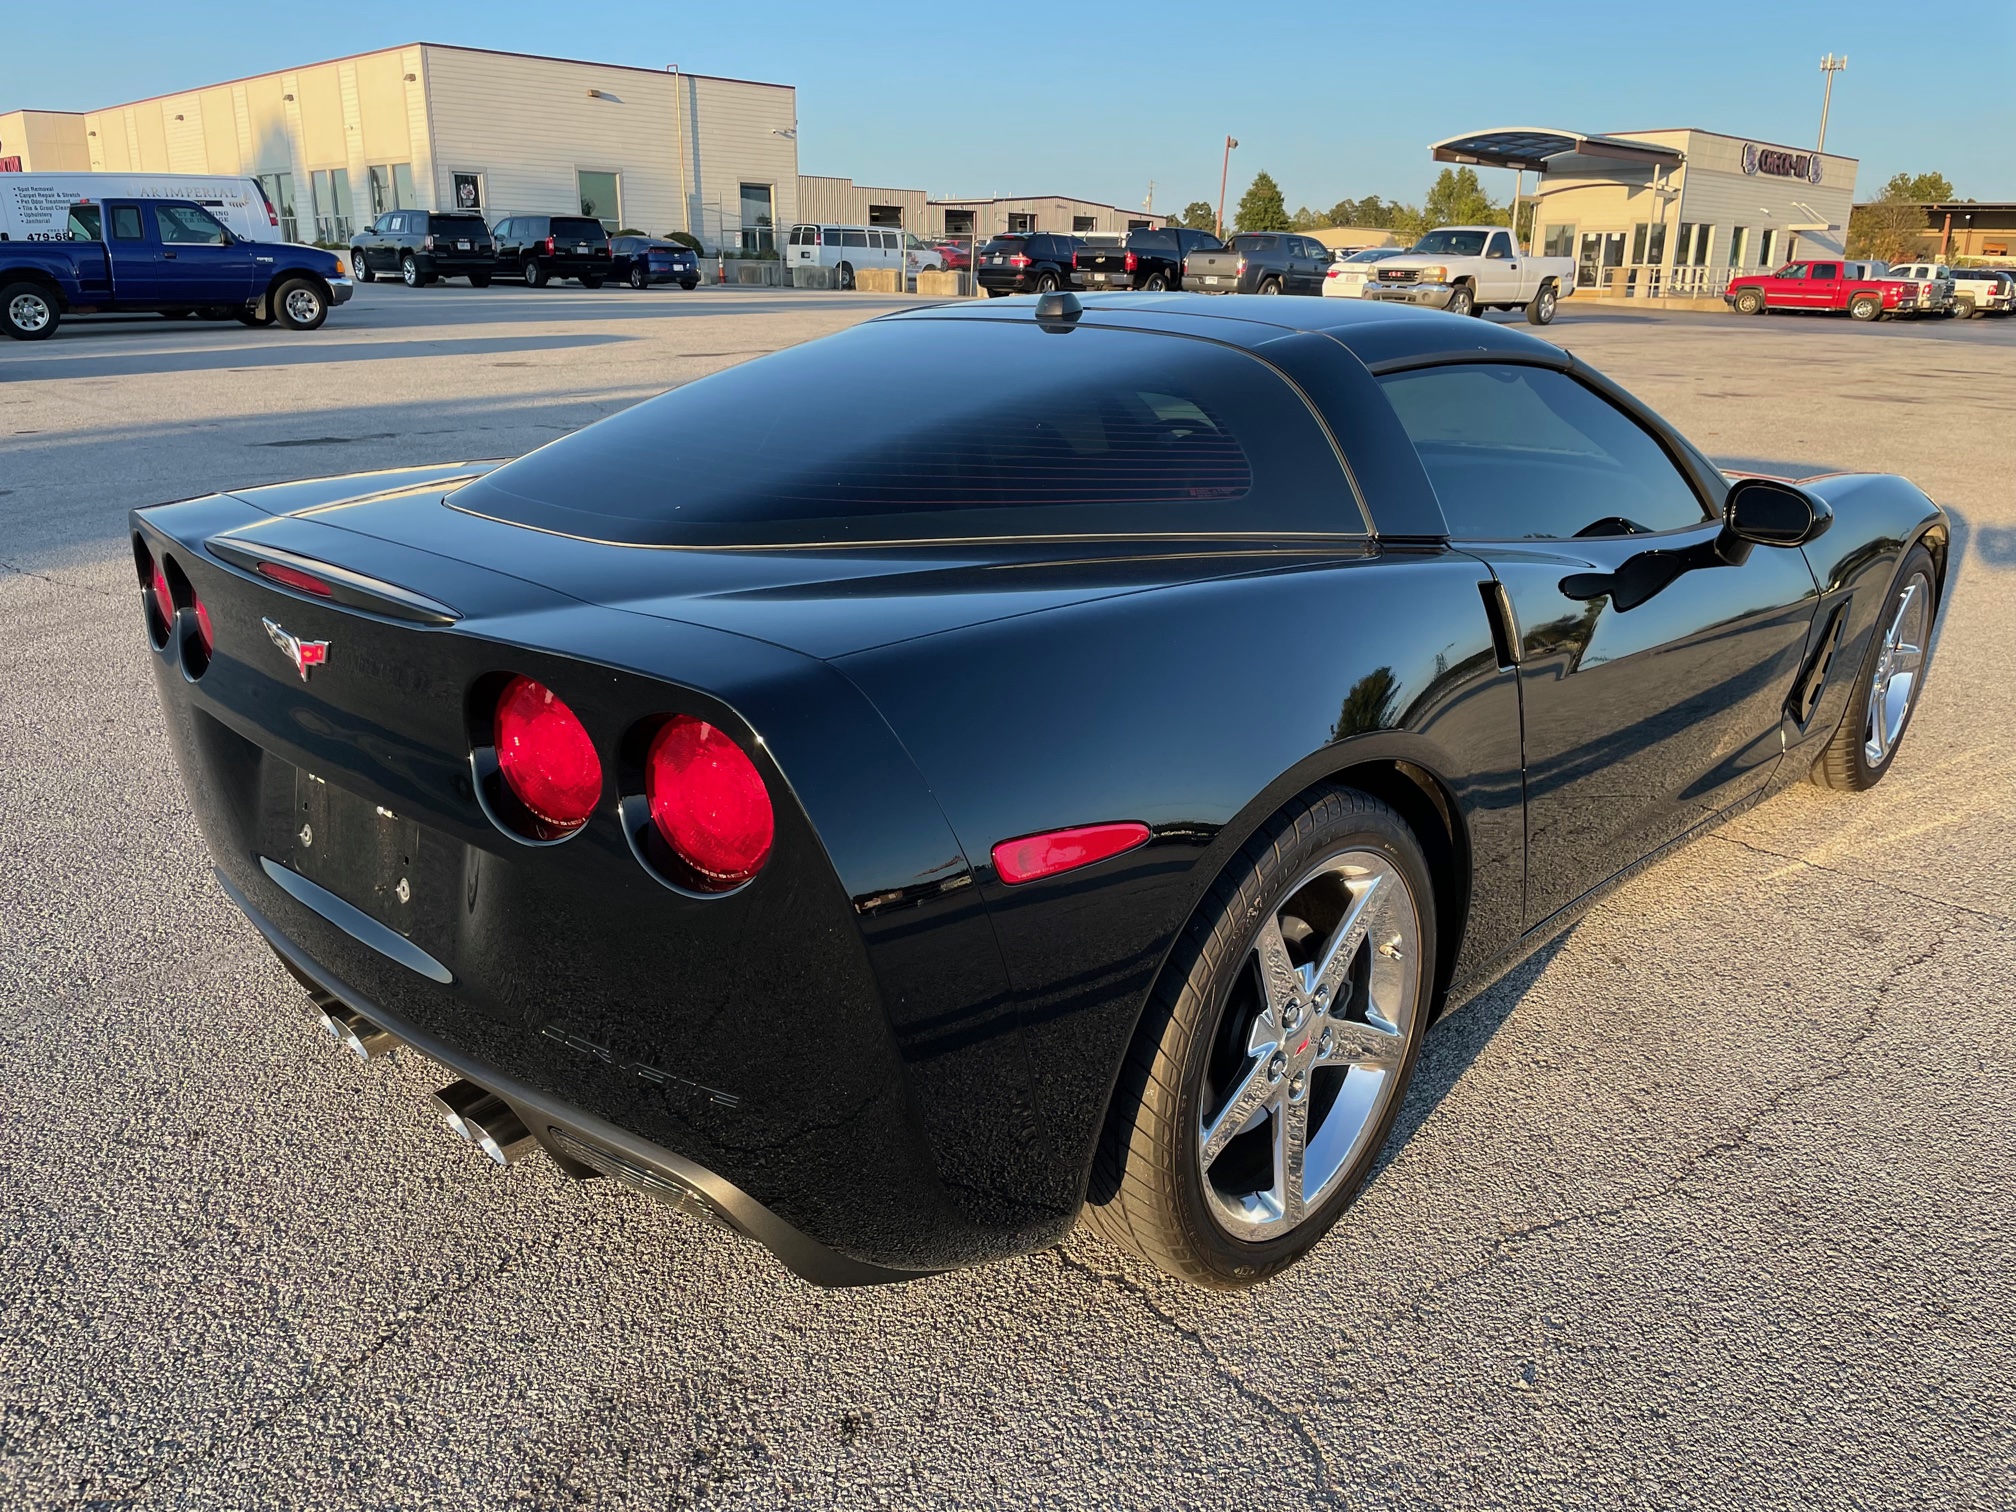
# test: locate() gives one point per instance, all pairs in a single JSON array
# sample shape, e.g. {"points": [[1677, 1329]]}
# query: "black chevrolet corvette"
{"points": [[893, 820]]}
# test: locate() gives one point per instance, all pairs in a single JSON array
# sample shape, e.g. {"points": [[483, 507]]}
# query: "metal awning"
{"points": [[1535, 147]]}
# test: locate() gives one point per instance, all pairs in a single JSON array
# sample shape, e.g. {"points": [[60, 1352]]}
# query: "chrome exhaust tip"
{"points": [[356, 1033], [485, 1121]]}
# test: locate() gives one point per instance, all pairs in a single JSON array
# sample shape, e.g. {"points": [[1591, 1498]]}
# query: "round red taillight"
{"points": [[709, 802], [546, 757], [162, 594]]}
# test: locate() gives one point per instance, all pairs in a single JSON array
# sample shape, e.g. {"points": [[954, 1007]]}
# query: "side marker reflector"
{"points": [[1045, 855]]}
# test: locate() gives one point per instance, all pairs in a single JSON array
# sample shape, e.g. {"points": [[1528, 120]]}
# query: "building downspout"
{"points": [[679, 140]]}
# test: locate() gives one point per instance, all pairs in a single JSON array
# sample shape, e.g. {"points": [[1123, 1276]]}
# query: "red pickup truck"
{"points": [[1834, 286]]}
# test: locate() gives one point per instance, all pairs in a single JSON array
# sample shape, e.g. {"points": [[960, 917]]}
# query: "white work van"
{"points": [[852, 248], [36, 206]]}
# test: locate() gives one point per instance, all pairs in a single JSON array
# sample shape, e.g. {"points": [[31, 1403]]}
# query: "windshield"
{"points": [[1372, 254], [1453, 243]]}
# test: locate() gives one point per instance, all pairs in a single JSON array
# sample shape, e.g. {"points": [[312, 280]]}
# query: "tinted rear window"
{"points": [[1087, 432], [1152, 241], [1005, 244], [573, 228], [459, 225]]}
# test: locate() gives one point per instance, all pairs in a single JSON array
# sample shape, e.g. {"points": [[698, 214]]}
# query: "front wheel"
{"points": [[29, 312], [300, 305], [1749, 302], [361, 267], [1273, 1056], [1888, 683], [1540, 309], [1864, 307], [1462, 300]]}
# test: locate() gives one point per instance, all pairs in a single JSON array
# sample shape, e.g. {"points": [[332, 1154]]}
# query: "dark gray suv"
{"points": [[419, 246], [538, 248]]}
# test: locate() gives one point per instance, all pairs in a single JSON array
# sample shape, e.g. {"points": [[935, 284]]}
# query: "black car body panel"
{"points": [[1151, 260], [439, 244], [1278, 262], [884, 1059]]}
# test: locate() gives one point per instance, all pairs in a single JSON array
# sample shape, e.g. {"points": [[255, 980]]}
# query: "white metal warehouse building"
{"points": [[433, 127]]}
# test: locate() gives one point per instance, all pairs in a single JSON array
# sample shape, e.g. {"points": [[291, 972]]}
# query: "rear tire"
{"points": [[1213, 1040], [479, 280], [593, 281], [1540, 309], [1046, 283], [846, 275], [410, 274], [1156, 283], [535, 275], [1749, 302], [1269, 286], [1963, 309], [29, 312], [1880, 707], [1864, 307], [300, 304], [638, 280]]}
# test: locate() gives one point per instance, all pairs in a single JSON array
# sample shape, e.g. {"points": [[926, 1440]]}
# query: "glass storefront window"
{"points": [[331, 190], [759, 226], [601, 197], [1559, 242]]}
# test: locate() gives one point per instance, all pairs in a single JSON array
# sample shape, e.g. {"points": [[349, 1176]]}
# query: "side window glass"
{"points": [[87, 223], [186, 226], [1526, 453], [1826, 270], [126, 223]]}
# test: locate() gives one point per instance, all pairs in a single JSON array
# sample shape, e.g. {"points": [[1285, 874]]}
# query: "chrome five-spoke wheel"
{"points": [[1898, 667], [1311, 1044]]}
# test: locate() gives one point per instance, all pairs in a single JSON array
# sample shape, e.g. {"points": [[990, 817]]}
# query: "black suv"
{"points": [[540, 247], [1026, 262], [420, 246], [641, 261]]}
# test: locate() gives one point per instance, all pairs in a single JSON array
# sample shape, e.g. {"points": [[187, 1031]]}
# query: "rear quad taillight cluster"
{"points": [[177, 620], [693, 806]]}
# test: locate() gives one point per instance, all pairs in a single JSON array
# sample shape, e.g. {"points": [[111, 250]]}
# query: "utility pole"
{"points": [[1223, 172], [1148, 204], [1830, 66]]}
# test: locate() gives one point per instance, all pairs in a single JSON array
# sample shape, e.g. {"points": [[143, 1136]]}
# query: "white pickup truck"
{"points": [[1467, 270]]}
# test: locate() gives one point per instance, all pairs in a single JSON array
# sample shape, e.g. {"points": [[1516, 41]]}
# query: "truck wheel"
{"points": [[535, 276], [1157, 283], [410, 274], [846, 271], [1540, 309], [360, 267], [1864, 307], [1046, 283], [300, 305], [29, 312], [1963, 309], [1269, 286], [1462, 300], [1749, 302]]}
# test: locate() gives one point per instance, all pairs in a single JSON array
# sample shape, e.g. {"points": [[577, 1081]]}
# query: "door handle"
{"points": [[169, 256]]}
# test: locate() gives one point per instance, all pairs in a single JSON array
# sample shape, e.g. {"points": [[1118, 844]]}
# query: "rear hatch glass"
{"points": [[1098, 432], [570, 229]]}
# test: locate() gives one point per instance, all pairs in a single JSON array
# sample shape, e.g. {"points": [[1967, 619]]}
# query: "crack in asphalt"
{"points": [[334, 1380], [1848, 876], [1508, 1245], [13, 570], [1246, 1390]]}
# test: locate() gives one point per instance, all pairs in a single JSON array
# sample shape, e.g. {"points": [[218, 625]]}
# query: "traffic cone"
{"points": [[721, 270]]}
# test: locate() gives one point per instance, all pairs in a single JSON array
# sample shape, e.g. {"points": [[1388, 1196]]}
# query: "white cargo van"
{"points": [[35, 206], [847, 248]]}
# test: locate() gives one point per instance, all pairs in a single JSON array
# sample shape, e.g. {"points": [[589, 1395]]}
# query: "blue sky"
{"points": [[983, 99]]}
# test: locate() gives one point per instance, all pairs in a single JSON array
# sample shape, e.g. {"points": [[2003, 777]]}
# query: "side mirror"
{"points": [[1767, 513]]}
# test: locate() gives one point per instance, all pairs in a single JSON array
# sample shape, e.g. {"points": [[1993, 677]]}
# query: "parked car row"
{"points": [[420, 246], [1037, 262], [1874, 290]]}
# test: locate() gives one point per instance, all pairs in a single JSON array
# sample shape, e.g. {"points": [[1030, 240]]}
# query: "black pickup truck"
{"points": [[1260, 262], [170, 257], [1146, 260]]}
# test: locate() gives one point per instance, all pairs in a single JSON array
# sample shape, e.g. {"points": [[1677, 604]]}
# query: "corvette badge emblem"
{"points": [[303, 653]]}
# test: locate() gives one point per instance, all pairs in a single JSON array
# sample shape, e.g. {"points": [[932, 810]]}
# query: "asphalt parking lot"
{"points": [[1708, 1206]]}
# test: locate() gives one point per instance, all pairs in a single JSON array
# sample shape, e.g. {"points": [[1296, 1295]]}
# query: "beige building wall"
{"points": [[1047, 213], [46, 141], [682, 147], [841, 201]]}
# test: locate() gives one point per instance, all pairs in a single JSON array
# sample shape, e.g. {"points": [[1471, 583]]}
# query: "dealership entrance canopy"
{"points": [[1673, 212]]}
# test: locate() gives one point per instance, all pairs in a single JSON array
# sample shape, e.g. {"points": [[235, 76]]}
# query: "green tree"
{"points": [[1458, 199], [1262, 208], [1891, 230], [1198, 216], [1344, 213], [1920, 188], [1305, 219]]}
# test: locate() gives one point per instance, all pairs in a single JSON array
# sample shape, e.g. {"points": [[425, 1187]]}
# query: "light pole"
{"points": [[1830, 66], [1223, 172]]}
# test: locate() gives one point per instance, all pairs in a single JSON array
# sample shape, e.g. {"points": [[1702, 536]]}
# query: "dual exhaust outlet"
{"points": [[482, 1118]]}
